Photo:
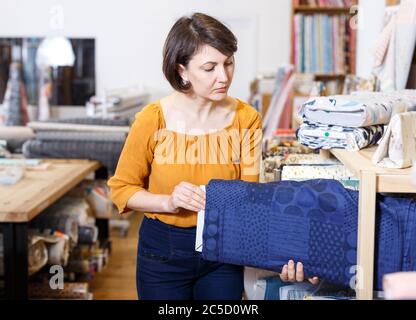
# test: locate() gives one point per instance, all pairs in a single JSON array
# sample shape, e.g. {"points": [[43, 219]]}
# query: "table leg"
{"points": [[366, 235], [15, 260]]}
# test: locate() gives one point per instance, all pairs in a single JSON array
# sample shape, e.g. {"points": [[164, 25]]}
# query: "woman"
{"points": [[172, 149]]}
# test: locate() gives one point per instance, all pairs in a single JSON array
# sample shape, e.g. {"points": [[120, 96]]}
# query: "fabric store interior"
{"points": [[334, 84]]}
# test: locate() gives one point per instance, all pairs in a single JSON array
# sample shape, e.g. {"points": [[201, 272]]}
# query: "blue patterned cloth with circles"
{"points": [[314, 222]]}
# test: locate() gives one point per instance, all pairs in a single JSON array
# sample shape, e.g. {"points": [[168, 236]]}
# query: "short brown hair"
{"points": [[184, 39]]}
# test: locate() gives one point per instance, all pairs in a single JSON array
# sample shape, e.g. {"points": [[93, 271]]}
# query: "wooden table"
{"points": [[21, 202], [373, 179]]}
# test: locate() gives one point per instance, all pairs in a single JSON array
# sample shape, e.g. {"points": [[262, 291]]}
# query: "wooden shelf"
{"points": [[39, 189], [326, 10], [388, 180]]}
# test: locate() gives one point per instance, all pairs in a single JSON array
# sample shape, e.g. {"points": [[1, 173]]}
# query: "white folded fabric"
{"points": [[361, 109], [397, 149]]}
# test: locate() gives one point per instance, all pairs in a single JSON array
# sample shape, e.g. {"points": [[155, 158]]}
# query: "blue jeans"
{"points": [[169, 268]]}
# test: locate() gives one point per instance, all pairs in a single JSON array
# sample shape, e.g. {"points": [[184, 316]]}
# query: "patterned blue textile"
{"points": [[315, 222]]}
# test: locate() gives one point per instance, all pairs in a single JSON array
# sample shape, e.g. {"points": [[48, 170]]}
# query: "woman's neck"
{"points": [[198, 107]]}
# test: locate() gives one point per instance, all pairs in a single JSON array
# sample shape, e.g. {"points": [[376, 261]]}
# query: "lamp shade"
{"points": [[55, 51]]}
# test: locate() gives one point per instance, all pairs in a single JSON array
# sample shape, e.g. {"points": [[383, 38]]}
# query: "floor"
{"points": [[118, 280]]}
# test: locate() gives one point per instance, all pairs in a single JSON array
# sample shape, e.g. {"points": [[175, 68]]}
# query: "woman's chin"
{"points": [[218, 96]]}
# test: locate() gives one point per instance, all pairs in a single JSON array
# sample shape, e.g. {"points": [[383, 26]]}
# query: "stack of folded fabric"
{"points": [[301, 167], [276, 150], [351, 122], [315, 222], [85, 138]]}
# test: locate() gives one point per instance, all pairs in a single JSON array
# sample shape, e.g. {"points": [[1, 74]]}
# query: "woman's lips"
{"points": [[221, 90]]}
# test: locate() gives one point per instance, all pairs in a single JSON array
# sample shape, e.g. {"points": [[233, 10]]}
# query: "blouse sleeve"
{"points": [[251, 148], [134, 165]]}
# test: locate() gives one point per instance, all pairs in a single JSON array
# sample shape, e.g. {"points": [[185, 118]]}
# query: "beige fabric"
{"points": [[37, 254], [16, 133], [397, 149]]}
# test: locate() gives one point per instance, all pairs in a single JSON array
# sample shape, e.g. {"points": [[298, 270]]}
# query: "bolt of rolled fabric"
{"points": [[315, 222]]}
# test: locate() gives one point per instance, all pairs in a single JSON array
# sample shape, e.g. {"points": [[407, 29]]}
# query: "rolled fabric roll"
{"points": [[59, 252], [315, 222], [51, 222], [58, 249], [37, 254], [81, 136], [94, 121], [16, 135], [107, 153], [87, 234]]}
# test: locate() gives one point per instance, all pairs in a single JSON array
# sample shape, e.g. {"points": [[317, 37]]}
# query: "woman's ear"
{"points": [[183, 73]]}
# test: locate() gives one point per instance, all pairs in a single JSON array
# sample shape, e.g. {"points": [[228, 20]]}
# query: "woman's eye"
{"points": [[212, 69]]}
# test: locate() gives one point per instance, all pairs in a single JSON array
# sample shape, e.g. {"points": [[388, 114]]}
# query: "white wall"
{"points": [[130, 34]]}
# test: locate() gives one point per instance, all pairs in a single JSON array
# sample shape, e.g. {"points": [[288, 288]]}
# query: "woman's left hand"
{"points": [[295, 273]]}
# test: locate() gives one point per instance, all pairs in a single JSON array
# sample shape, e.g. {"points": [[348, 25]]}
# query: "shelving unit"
{"points": [[373, 179], [312, 10], [22, 202]]}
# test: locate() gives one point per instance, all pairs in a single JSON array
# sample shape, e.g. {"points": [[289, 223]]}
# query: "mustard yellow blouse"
{"points": [[157, 159]]}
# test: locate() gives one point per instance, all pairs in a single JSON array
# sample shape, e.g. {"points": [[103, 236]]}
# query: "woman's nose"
{"points": [[222, 75]]}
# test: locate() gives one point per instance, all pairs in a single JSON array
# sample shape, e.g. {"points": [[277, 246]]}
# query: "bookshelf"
{"points": [[323, 43]]}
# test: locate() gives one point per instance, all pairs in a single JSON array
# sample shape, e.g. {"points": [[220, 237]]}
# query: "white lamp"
{"points": [[55, 51]]}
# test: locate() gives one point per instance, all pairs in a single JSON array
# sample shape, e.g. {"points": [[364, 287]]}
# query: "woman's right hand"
{"points": [[187, 196]]}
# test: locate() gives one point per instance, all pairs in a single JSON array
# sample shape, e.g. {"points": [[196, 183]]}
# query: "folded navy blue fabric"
{"points": [[314, 222]]}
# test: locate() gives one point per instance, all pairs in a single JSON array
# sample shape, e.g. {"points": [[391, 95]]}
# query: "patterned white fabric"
{"points": [[397, 149], [336, 172], [361, 109], [323, 136]]}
